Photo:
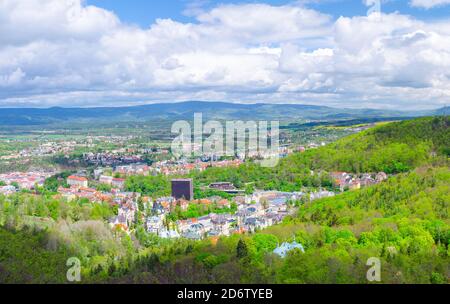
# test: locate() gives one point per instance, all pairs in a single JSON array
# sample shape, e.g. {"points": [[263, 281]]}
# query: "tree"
{"points": [[241, 249], [104, 188]]}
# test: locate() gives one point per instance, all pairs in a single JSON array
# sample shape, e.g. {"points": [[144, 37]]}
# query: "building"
{"points": [[168, 234], [25, 180], [7, 190], [257, 223], [118, 183], [183, 189], [381, 176], [98, 173], [155, 225], [77, 181], [222, 186], [320, 194], [104, 179]]}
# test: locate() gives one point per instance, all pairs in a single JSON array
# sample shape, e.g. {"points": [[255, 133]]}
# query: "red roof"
{"points": [[78, 178]]}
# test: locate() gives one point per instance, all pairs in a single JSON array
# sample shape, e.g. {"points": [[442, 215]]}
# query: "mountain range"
{"points": [[186, 110]]}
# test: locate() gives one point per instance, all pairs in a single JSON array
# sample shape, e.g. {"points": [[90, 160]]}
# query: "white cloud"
{"points": [[55, 52], [429, 3], [12, 79]]}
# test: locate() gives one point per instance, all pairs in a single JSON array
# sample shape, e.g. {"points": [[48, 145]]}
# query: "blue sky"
{"points": [[145, 12], [87, 53]]}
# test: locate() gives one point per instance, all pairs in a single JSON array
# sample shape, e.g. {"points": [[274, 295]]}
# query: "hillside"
{"points": [[392, 148], [404, 222]]}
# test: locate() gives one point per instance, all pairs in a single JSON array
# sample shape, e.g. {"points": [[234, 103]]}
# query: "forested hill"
{"points": [[393, 148]]}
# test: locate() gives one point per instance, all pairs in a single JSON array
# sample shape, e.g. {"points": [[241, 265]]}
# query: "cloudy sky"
{"points": [[339, 53]]}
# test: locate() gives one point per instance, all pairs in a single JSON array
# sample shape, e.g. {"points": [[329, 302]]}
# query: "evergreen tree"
{"points": [[241, 249]]}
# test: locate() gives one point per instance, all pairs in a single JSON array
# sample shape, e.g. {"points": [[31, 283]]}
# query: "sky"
{"points": [[383, 54]]}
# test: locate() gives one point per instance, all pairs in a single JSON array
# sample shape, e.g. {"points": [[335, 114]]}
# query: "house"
{"points": [[183, 225], [128, 214], [283, 250], [253, 223], [206, 222], [320, 194], [125, 217], [197, 227], [98, 173], [223, 203], [104, 197], [222, 224], [87, 193], [155, 224], [118, 183], [381, 176], [27, 180], [255, 210], [158, 208], [193, 235], [275, 217], [7, 190], [119, 221], [192, 229], [68, 194], [224, 186], [92, 195], [278, 204], [249, 211], [104, 179], [163, 204], [367, 180], [168, 234], [354, 184], [77, 181], [240, 199]]}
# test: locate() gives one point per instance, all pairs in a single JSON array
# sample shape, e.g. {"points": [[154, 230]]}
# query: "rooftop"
{"points": [[78, 178]]}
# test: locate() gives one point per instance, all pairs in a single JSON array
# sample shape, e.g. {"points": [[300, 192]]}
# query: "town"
{"points": [[100, 176], [240, 213]]}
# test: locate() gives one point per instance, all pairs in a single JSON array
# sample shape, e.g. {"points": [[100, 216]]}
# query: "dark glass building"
{"points": [[183, 188]]}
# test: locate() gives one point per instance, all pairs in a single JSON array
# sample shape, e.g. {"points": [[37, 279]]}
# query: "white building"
{"points": [[320, 194], [104, 179], [77, 181]]}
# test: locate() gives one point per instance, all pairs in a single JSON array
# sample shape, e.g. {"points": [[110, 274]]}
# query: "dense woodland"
{"points": [[403, 221]]}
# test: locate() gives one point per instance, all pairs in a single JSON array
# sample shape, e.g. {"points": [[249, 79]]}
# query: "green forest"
{"points": [[403, 221]]}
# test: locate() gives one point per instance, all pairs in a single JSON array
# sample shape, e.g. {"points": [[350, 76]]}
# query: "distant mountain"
{"points": [[186, 110], [443, 111]]}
